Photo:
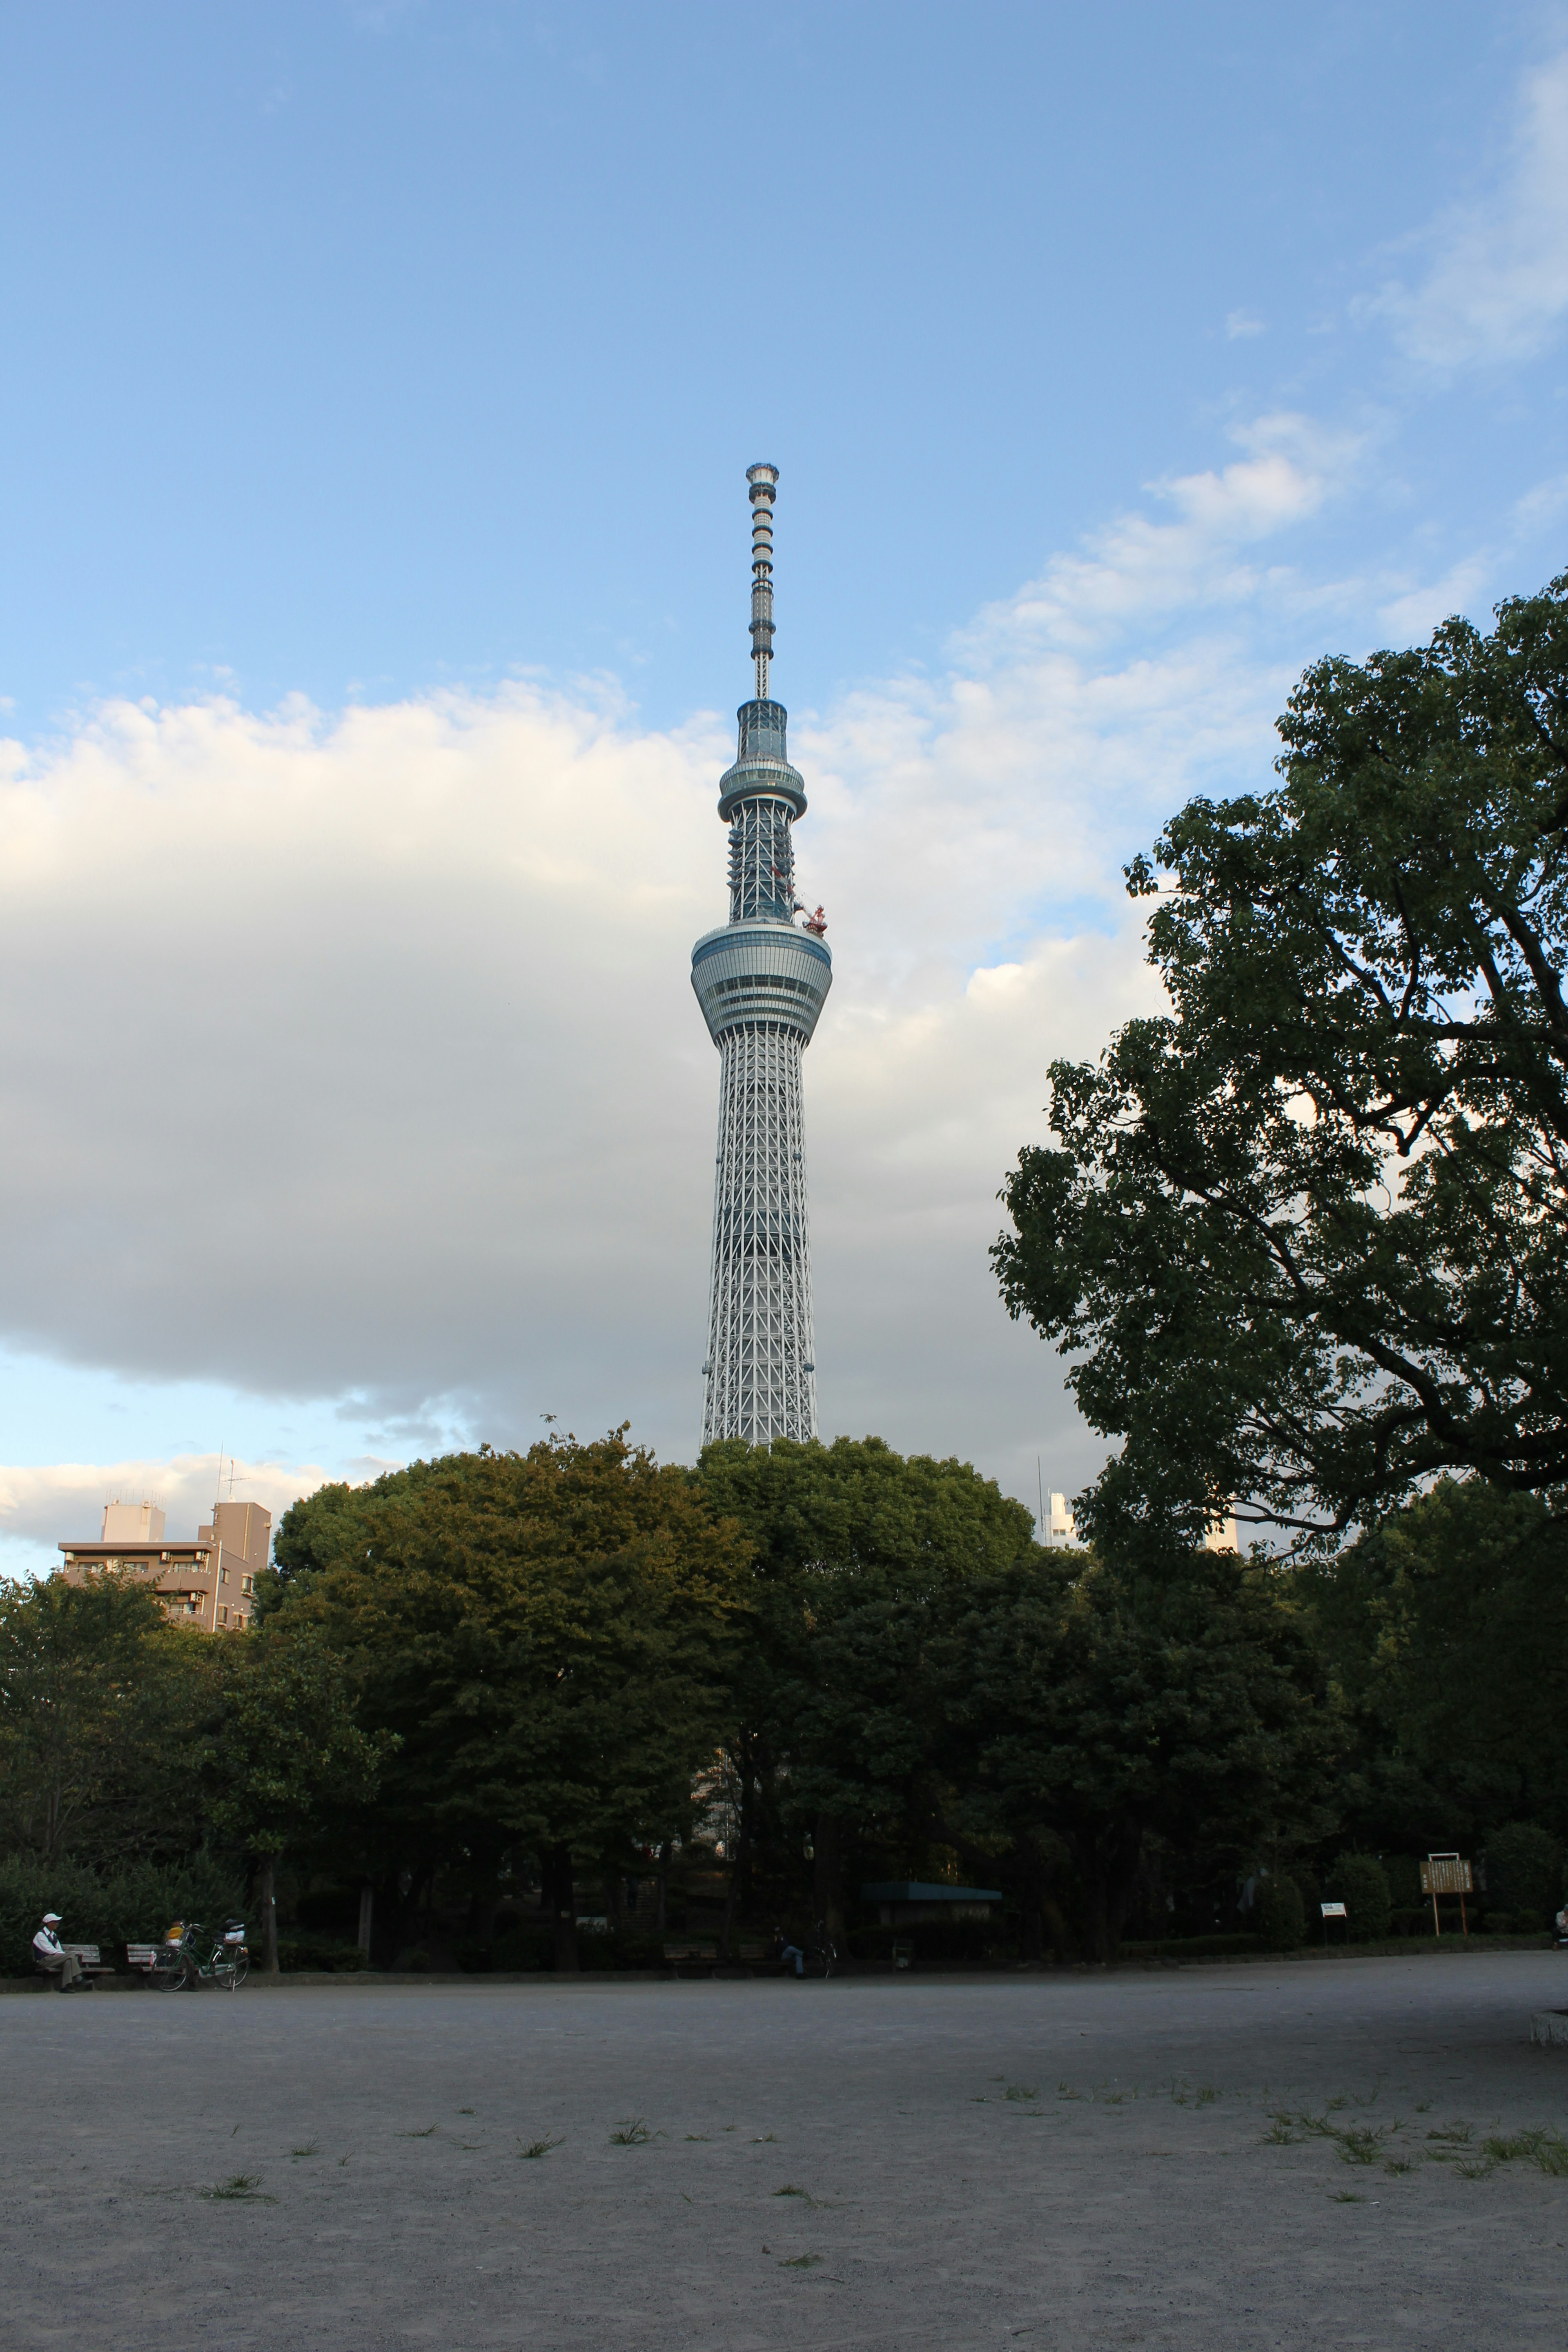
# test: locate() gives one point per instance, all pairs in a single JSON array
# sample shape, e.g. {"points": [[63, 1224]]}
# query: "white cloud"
{"points": [[1239, 325], [64, 1500], [1497, 285], [356, 1057], [1138, 570]]}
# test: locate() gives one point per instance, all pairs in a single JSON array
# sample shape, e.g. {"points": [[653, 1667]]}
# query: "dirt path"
{"points": [[1218, 2157]]}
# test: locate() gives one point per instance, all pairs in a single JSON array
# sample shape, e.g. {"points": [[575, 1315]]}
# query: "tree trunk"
{"points": [[267, 1897], [662, 1882], [1031, 1900], [615, 1898], [738, 1865], [562, 1899], [828, 1875], [1109, 1881], [366, 1914]]}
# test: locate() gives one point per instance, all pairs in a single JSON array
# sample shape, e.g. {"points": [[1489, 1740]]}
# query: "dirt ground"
{"points": [[1052, 2161]]}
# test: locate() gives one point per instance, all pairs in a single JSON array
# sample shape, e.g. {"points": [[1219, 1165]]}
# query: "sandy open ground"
{"points": [[1053, 2160]]}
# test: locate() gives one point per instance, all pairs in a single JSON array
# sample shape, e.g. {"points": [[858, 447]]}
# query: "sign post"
{"points": [[1447, 1873]]}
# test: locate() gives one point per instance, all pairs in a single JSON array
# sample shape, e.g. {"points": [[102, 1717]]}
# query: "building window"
{"points": [[247, 1585], [222, 1616]]}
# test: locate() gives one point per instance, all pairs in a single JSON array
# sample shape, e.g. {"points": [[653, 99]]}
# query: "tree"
{"points": [[830, 1733], [1305, 1233], [98, 1691], [549, 1636], [282, 1752], [1446, 1632], [1101, 1706]]}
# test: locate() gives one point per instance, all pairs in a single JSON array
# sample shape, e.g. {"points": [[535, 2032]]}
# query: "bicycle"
{"points": [[178, 1966], [824, 1952]]}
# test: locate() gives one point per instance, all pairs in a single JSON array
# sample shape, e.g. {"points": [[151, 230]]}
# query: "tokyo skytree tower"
{"points": [[761, 984]]}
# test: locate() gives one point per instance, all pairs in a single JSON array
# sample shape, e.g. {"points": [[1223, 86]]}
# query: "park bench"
{"points": [[143, 1955], [86, 1956]]}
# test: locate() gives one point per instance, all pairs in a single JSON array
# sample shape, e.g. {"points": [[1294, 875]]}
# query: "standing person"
{"points": [[49, 1954]]}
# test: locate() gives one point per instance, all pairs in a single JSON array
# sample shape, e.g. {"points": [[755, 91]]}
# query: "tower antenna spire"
{"points": [[760, 982], [763, 480]]}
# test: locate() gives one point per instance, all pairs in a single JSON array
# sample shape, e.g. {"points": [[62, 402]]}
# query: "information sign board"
{"points": [[1445, 1874]]}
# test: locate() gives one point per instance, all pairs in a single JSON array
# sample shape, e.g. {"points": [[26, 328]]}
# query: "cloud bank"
{"points": [[352, 1056]]}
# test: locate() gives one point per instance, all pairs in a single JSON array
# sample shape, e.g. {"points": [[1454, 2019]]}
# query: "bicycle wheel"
{"points": [[239, 1970], [162, 1980]]}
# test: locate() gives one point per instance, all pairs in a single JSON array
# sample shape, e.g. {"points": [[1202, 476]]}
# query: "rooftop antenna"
{"points": [[763, 480]]}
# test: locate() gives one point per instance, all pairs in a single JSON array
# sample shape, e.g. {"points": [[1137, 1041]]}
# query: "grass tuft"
{"points": [[1021, 2091], [1548, 2150], [537, 2147], [633, 2133], [428, 2133], [801, 2261], [239, 2189], [311, 2148]]}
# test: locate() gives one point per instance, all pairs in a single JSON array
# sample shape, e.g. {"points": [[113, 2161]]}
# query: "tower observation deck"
{"points": [[761, 981]]}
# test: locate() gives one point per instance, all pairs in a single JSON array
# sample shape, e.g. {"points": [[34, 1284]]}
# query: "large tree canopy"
{"points": [[547, 1634], [1306, 1235]]}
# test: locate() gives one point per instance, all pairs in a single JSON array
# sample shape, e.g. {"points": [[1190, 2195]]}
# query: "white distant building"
{"points": [[1062, 1528]]}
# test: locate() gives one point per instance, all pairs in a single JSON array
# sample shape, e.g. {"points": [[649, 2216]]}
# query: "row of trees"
{"points": [[1302, 1239], [494, 1669]]}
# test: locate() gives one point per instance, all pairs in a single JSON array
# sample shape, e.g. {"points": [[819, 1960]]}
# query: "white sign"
{"points": [[1333, 1911]]}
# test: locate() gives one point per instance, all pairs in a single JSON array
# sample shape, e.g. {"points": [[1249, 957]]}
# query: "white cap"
{"points": [[51, 1918]]}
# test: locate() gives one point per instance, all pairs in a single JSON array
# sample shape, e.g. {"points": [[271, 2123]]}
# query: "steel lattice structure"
{"points": [[761, 984]]}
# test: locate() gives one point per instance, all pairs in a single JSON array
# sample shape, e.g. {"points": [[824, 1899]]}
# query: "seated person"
{"points": [[783, 1951], [49, 1954]]}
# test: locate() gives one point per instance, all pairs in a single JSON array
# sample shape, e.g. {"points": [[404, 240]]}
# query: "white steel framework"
{"points": [[761, 981]]}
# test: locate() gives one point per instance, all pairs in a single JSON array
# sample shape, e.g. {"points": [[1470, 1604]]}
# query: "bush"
{"points": [[1360, 1882], [1524, 1869], [1403, 1873], [295, 1952], [1497, 1923], [1280, 1914], [133, 1905]]}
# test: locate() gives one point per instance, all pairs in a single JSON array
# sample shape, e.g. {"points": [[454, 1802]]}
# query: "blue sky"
{"points": [[379, 385]]}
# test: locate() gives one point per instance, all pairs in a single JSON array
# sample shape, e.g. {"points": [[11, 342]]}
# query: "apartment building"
{"points": [[210, 1582]]}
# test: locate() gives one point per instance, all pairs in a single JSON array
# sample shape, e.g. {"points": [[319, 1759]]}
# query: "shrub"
{"points": [[1280, 1914], [1403, 1873], [296, 1952], [1524, 1869], [1360, 1883], [133, 1905], [1497, 1923]]}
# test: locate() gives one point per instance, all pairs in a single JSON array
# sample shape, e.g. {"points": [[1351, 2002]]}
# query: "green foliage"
{"points": [[1281, 1913], [282, 1747], [1104, 1707], [99, 1694], [546, 1634], [296, 1952], [1303, 1236], [1524, 1870], [132, 1905], [1446, 1632], [1360, 1882]]}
